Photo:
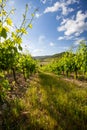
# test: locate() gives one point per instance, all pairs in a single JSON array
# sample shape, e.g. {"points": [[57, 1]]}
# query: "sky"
{"points": [[58, 24]]}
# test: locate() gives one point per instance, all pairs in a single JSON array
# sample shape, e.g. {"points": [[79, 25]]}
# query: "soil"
{"points": [[80, 83]]}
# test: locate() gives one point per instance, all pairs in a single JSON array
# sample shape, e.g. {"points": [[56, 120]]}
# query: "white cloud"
{"points": [[78, 40], [61, 38], [81, 16], [65, 38], [65, 9], [41, 39], [61, 5], [74, 26], [44, 1], [64, 21], [37, 50], [72, 1], [37, 15], [51, 44], [54, 8], [77, 34]]}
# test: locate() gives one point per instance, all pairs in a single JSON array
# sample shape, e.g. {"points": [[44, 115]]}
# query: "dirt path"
{"points": [[77, 82], [45, 102]]}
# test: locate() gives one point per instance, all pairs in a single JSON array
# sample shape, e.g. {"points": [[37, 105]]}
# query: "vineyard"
{"points": [[36, 96], [12, 61], [71, 63]]}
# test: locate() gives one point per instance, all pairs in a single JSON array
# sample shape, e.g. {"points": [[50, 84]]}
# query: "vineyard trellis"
{"points": [[11, 58]]}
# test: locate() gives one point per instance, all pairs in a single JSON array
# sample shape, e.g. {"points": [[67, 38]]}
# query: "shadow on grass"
{"points": [[50, 103], [61, 104]]}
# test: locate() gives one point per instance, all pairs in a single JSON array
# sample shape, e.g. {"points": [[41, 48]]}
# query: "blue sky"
{"points": [[57, 26]]}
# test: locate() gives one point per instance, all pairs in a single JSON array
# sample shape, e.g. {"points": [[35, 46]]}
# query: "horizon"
{"points": [[47, 55]]}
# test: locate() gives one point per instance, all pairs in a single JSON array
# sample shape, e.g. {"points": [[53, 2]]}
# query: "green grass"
{"points": [[50, 103]]}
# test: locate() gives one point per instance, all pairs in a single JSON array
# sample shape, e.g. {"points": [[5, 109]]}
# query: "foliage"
{"points": [[28, 65], [11, 40], [71, 62], [4, 86]]}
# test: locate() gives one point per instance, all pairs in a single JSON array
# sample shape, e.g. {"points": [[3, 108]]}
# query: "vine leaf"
{"points": [[30, 26], [9, 21], [3, 33]]}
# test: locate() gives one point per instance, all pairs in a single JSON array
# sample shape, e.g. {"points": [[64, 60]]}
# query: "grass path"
{"points": [[50, 103]]}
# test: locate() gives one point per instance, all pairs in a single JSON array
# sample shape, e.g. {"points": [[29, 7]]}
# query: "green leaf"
{"points": [[20, 48], [9, 21], [18, 40], [32, 15], [3, 13], [0, 1], [3, 33], [23, 30], [30, 26]]}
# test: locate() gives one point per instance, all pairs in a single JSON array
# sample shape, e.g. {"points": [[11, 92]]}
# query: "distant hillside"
{"points": [[41, 58], [49, 58], [58, 55]]}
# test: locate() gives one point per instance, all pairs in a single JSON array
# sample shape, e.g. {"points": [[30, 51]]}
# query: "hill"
{"points": [[48, 58]]}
